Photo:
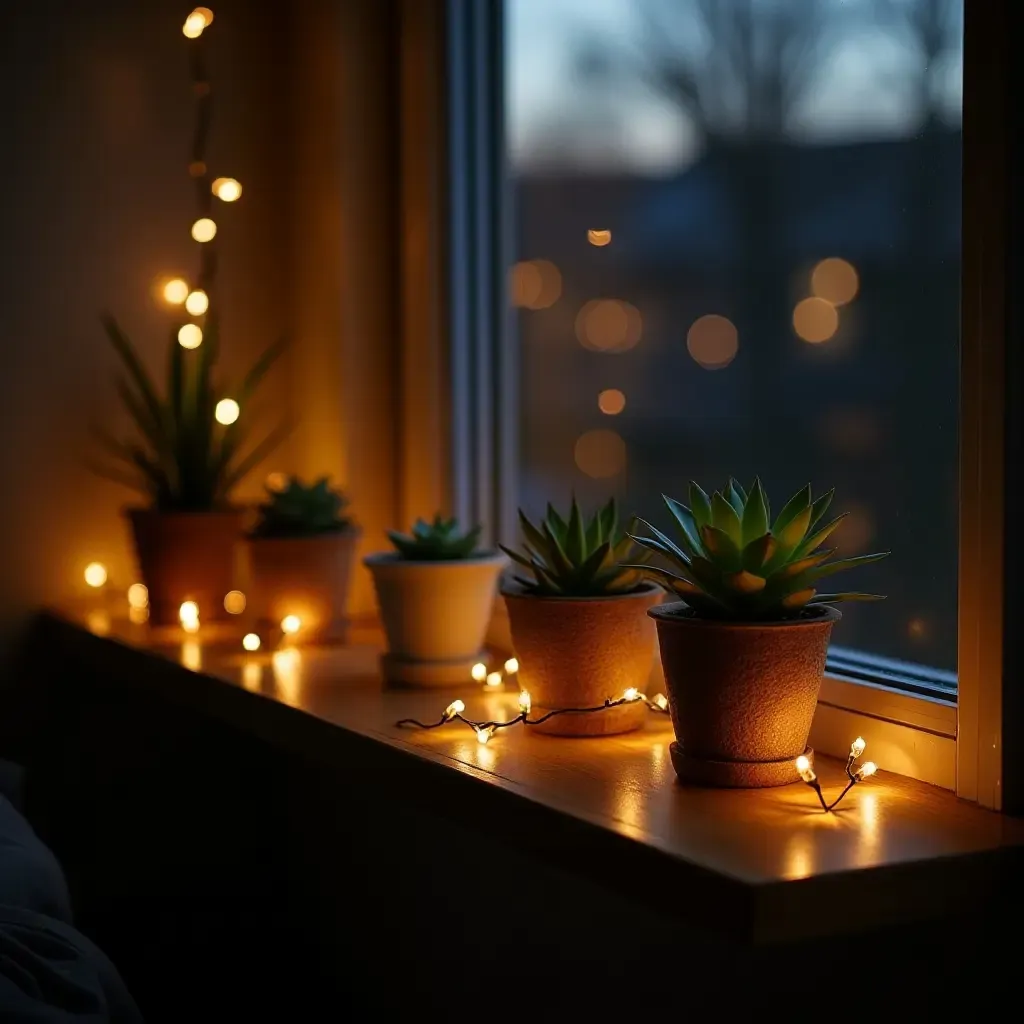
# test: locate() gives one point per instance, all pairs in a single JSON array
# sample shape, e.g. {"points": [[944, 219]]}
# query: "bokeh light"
{"points": [[188, 612], [291, 624], [197, 302], [175, 291], [600, 453], [276, 482], [535, 284], [138, 616], [204, 230], [95, 574], [226, 411], [815, 320], [599, 237], [835, 280], [856, 532], [712, 341], [251, 642], [234, 602], [611, 401], [138, 595], [190, 336], [227, 189], [608, 325], [194, 25]]}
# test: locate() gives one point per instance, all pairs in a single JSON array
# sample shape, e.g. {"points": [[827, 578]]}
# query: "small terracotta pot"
{"points": [[304, 576], [742, 694], [578, 652], [186, 556], [435, 615]]}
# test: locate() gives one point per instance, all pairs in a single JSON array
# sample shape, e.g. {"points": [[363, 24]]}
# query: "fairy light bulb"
{"points": [[204, 230], [494, 679], [291, 624], [188, 611], [197, 302], [138, 596], [455, 708], [804, 769], [867, 769], [525, 701], [484, 733], [226, 412], [227, 190], [512, 666], [190, 336], [631, 694], [479, 671], [194, 25], [251, 642], [234, 602], [857, 747], [175, 291], [95, 574], [659, 700]]}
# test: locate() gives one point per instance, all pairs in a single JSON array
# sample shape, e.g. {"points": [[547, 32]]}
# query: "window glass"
{"points": [[737, 244]]}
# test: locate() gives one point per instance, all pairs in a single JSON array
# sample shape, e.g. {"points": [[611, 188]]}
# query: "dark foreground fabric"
{"points": [[49, 971]]}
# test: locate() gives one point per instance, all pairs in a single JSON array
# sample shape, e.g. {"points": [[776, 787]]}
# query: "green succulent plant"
{"points": [[571, 556], [729, 560], [181, 458], [439, 541], [300, 510]]}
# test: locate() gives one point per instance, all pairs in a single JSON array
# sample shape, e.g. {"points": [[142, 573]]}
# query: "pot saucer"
{"points": [[697, 771]]}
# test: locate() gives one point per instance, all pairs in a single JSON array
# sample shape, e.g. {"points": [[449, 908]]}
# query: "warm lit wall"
{"points": [[97, 206]]}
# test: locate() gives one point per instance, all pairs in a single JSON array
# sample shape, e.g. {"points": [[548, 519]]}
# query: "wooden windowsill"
{"points": [[761, 866]]}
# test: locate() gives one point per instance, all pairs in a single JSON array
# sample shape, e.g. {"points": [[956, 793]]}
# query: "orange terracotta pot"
{"points": [[186, 556], [578, 652], [742, 694], [304, 576]]}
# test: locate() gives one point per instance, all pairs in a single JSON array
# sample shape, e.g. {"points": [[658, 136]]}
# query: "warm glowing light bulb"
{"points": [[175, 291], [194, 25], [226, 411], [630, 694], [204, 230], [95, 574], [512, 666], [455, 708], [479, 672], [525, 701], [291, 624], [803, 767], [494, 679], [197, 302], [189, 611], [137, 616], [190, 625], [227, 189], [484, 733], [867, 769], [234, 602], [660, 700], [857, 747], [190, 336], [251, 642], [138, 596]]}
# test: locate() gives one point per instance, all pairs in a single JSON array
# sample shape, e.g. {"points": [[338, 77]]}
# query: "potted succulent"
{"points": [[744, 651], [301, 554], [188, 454], [436, 593], [578, 621]]}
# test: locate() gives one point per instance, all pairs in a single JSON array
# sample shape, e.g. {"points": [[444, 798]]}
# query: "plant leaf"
{"points": [[721, 547], [759, 551], [755, 515], [847, 596], [700, 505], [845, 563], [686, 522], [669, 546], [792, 508], [724, 518], [820, 507], [815, 541]]}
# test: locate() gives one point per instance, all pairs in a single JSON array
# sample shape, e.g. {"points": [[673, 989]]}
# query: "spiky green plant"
{"points": [[301, 510], [439, 541], [181, 458], [729, 560], [571, 556]]}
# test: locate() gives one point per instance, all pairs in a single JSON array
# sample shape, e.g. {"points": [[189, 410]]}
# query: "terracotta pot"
{"points": [[578, 652], [435, 615], [304, 576], [186, 556], [742, 694]]}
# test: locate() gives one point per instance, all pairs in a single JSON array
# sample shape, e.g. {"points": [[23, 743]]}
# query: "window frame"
{"points": [[924, 731]]}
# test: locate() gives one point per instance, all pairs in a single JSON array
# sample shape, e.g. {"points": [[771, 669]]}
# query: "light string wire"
{"points": [[854, 773]]}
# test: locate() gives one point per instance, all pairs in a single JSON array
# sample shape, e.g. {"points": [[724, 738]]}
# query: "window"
{"points": [[737, 251]]}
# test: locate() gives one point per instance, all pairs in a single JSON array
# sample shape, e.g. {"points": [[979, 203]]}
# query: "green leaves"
{"points": [[726, 559], [301, 510], [181, 459], [439, 541], [572, 556]]}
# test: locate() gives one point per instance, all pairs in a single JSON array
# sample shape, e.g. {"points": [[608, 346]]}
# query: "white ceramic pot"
{"points": [[435, 615]]}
